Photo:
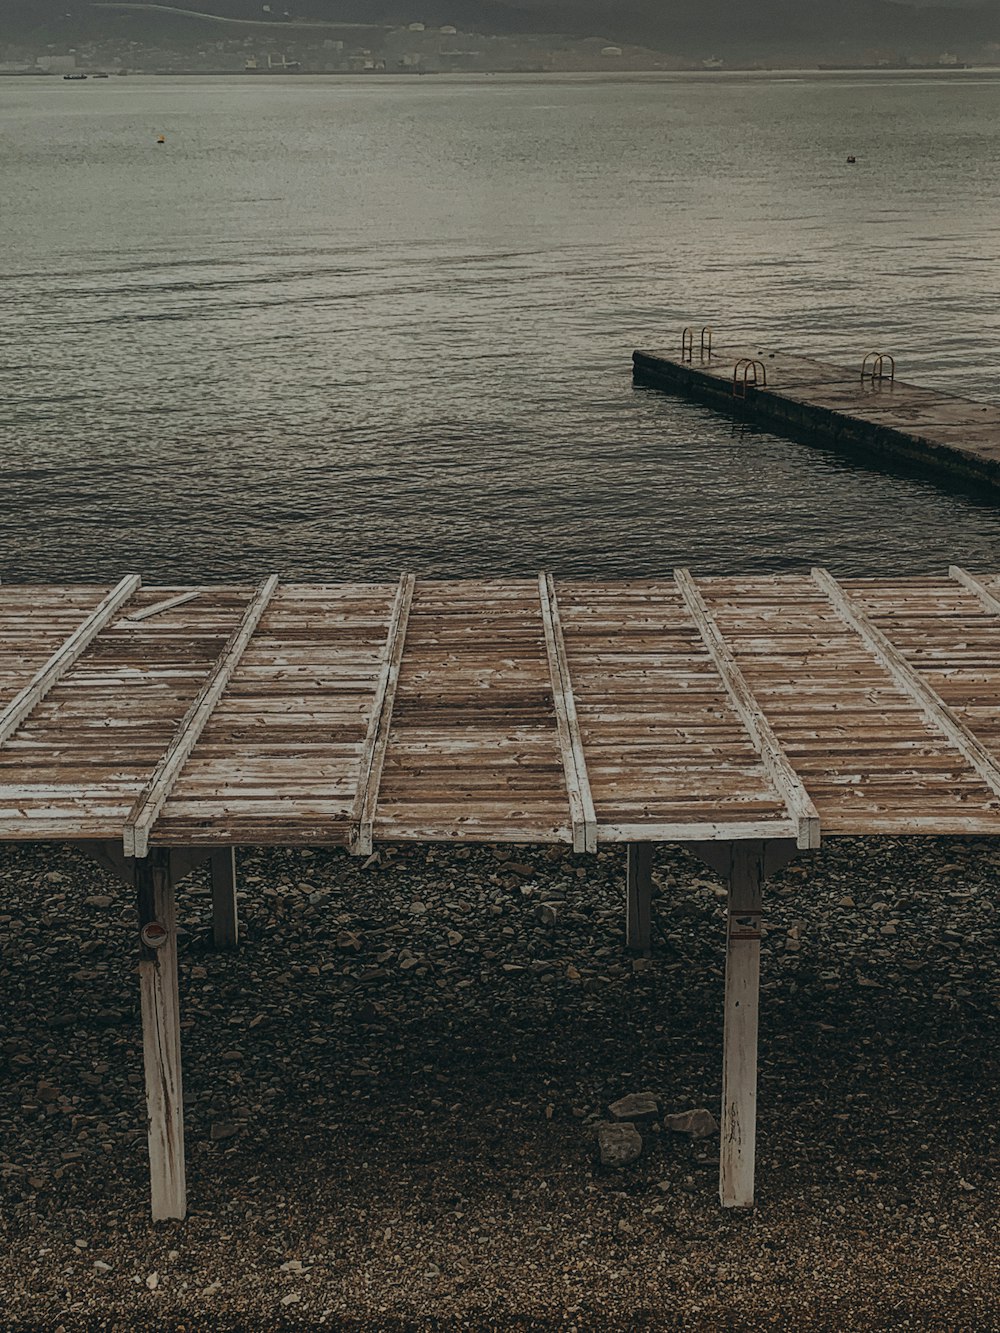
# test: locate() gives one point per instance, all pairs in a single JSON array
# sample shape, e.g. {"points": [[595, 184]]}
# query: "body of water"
{"points": [[335, 328]]}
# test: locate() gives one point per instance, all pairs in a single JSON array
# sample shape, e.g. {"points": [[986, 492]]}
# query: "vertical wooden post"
{"points": [[161, 1035], [739, 1068], [639, 897], [225, 915]]}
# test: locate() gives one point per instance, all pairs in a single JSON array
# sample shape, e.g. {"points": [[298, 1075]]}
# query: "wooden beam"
{"points": [[911, 682], [156, 792], [225, 912], [380, 722], [108, 856], [989, 600], [739, 1041], [581, 803], [21, 706], [161, 1036], [135, 617], [744, 867], [720, 856], [185, 860], [776, 763], [721, 830], [639, 910]]}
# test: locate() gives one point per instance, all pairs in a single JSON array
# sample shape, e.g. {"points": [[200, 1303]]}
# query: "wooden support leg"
{"points": [[225, 917], [745, 866], [161, 1035], [739, 1067], [640, 896]]}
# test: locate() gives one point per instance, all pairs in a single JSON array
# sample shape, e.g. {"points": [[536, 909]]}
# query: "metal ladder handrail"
{"points": [[687, 343], [877, 372], [746, 364]]}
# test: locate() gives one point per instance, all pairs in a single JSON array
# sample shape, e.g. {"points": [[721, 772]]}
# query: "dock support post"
{"points": [[640, 897], [225, 914], [745, 867], [739, 1041], [161, 1035]]}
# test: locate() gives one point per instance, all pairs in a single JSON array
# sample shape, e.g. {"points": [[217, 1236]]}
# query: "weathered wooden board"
{"points": [[523, 711], [664, 744], [283, 758], [474, 751]]}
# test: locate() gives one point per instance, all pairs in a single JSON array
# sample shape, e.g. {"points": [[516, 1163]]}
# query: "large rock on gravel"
{"points": [[618, 1145], [697, 1124], [636, 1106]]}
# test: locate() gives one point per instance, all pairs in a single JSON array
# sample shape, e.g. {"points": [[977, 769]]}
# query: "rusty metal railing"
{"points": [[876, 371], [741, 376], [687, 344]]}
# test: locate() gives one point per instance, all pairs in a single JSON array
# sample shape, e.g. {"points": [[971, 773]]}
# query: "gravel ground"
{"points": [[391, 1095]]}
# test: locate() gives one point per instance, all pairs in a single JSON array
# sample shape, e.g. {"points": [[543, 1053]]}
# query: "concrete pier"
{"points": [[872, 414]]}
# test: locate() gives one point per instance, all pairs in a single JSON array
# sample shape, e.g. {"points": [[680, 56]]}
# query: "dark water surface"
{"points": [[334, 328]]}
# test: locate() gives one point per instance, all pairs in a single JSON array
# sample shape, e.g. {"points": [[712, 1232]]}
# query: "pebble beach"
{"points": [[394, 1093]]}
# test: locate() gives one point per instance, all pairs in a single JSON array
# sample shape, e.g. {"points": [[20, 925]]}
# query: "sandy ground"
{"points": [[391, 1093]]}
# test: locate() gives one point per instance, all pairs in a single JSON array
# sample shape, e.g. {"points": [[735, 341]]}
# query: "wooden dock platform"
{"points": [[159, 728], [863, 410]]}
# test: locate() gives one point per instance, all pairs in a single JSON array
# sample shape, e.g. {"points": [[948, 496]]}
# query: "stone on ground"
{"points": [[636, 1106], [618, 1145], [698, 1124]]}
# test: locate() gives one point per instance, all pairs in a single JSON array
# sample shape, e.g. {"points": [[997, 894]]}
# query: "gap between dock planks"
{"points": [[582, 813]]}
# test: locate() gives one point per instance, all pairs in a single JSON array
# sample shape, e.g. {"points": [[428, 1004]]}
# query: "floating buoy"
{"points": [[161, 138]]}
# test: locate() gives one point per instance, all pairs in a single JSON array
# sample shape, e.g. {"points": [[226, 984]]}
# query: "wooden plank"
{"points": [[695, 831], [157, 790], [744, 866], [582, 813], [776, 763], [739, 1041], [376, 743], [911, 682], [161, 1038], [167, 605], [64, 657], [989, 601]]}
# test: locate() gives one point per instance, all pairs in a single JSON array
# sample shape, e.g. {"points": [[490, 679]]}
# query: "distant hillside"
{"points": [[667, 24]]}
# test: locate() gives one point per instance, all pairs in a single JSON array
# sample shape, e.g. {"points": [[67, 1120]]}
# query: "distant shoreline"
{"points": [[713, 76]]}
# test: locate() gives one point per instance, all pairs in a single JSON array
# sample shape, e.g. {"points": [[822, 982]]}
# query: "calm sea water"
{"points": [[336, 328]]}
